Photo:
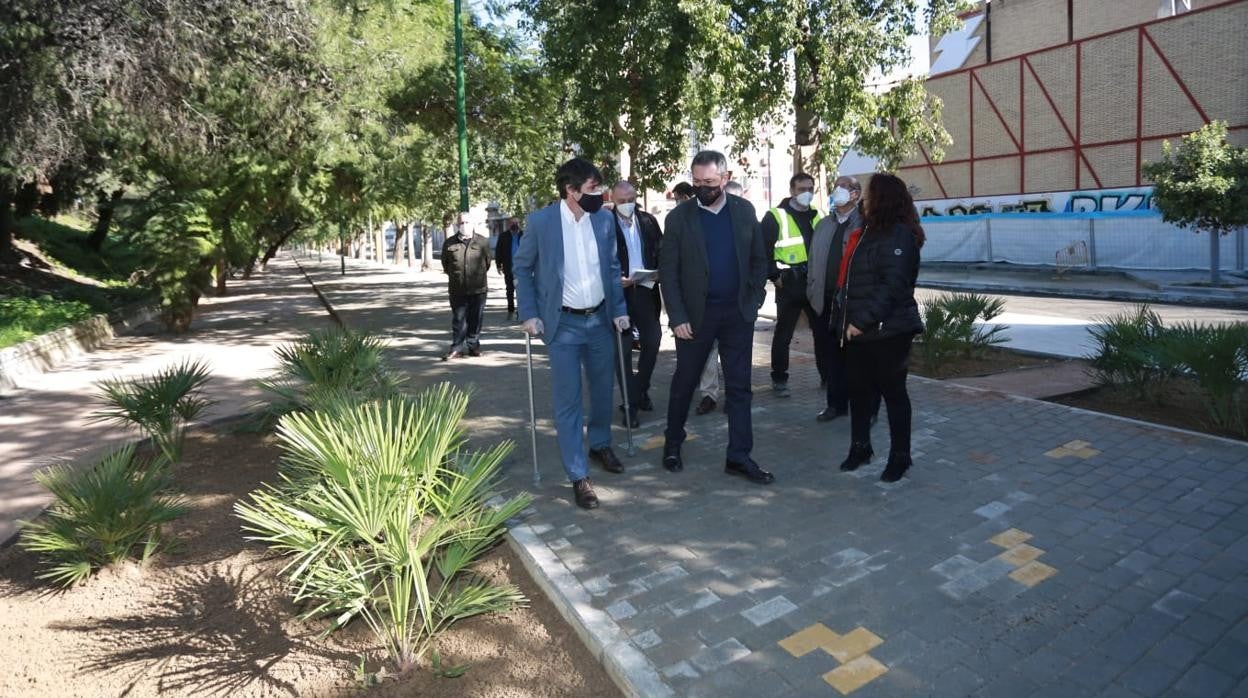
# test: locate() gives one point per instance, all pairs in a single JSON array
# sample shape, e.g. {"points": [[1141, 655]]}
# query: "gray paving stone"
{"points": [[1150, 678], [1178, 604], [1204, 680], [621, 610], [692, 602], [682, 669], [726, 652], [954, 567], [646, 640], [769, 610], [1139, 561], [977, 579]]}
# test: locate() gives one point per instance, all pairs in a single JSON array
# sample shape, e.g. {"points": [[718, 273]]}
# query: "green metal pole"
{"points": [[461, 108]]}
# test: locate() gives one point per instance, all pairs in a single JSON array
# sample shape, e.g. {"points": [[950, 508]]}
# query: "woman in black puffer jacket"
{"points": [[880, 318]]}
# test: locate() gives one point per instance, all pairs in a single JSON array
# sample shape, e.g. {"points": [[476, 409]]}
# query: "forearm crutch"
{"points": [[528, 353], [624, 381]]}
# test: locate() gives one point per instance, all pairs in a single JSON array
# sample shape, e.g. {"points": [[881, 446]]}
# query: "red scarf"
{"points": [[850, 246]]}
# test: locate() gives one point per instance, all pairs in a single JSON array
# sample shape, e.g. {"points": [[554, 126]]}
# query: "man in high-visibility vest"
{"points": [[787, 229]]}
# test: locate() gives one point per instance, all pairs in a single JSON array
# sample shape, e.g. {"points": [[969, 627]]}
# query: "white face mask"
{"points": [[626, 210], [804, 198], [840, 196]]}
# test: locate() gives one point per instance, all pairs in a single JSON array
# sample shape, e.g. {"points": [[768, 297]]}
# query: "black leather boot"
{"points": [[897, 466], [859, 455]]}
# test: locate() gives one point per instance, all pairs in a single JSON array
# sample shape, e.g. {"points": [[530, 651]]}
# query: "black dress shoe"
{"points": [[646, 404], [750, 471], [606, 458], [584, 493], [896, 468], [474, 352], [707, 405], [829, 414], [859, 455], [671, 459]]}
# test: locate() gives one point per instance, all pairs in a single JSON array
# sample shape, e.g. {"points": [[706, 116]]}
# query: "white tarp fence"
{"points": [[1122, 240]]}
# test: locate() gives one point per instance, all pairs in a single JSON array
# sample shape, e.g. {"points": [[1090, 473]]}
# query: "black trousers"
{"points": [[510, 280], [643, 312], [791, 304], [722, 323], [880, 368], [467, 315], [836, 372]]}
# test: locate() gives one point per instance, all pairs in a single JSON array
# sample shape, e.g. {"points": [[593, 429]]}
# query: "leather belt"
{"points": [[582, 311]]}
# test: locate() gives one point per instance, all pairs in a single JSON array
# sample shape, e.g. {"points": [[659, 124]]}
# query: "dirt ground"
{"points": [[1183, 406], [992, 360], [212, 618]]}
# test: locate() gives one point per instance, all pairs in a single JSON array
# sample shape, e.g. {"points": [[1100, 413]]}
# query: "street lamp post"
{"points": [[461, 115]]}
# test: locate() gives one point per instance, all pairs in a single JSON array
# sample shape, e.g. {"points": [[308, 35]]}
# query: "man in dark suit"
{"points": [[568, 283], [713, 271], [504, 253], [637, 238]]}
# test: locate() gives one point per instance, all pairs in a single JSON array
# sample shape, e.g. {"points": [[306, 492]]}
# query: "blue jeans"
{"points": [[582, 342], [722, 323]]}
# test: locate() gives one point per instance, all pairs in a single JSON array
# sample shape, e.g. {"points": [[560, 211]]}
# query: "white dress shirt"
{"points": [[632, 239], [582, 274]]}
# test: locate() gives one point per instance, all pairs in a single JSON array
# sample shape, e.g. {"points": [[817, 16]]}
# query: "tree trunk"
{"points": [[105, 206], [426, 248], [271, 252], [223, 263], [251, 266], [7, 252], [407, 245], [1215, 257], [26, 200], [397, 249]]}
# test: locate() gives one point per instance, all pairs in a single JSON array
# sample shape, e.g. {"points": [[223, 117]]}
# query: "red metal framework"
{"points": [[1075, 133]]}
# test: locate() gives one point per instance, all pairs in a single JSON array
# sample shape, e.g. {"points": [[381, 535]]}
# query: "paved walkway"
{"points": [[48, 420], [1034, 550]]}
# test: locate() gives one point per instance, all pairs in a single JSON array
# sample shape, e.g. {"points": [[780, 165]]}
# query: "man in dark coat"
{"points": [[637, 238], [713, 271], [466, 261], [504, 252]]}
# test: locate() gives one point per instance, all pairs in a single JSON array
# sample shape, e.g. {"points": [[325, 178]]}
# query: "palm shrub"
{"points": [[383, 513], [959, 325], [325, 368], [101, 516], [1217, 357], [159, 405], [1128, 352]]}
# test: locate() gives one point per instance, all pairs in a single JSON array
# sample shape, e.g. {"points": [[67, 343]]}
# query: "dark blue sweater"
{"points": [[721, 256]]}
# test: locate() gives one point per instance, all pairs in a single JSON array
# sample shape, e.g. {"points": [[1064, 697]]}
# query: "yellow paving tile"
{"points": [[804, 641], [1021, 554], [852, 676], [1009, 539], [1060, 452], [1085, 453], [1032, 573], [852, 645], [1077, 445]]}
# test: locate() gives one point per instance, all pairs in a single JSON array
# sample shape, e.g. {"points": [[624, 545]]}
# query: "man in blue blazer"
{"points": [[712, 269], [568, 287]]}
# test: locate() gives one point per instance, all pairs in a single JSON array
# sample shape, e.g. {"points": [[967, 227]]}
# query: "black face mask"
{"points": [[514, 229], [590, 203], [707, 195]]}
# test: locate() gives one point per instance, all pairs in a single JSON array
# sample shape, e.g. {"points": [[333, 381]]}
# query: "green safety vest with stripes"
{"points": [[790, 249]]}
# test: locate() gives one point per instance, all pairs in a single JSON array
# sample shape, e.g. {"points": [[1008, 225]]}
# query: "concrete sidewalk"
{"points": [[48, 420], [1035, 549]]}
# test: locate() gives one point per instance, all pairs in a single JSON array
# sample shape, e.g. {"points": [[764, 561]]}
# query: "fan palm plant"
{"points": [[383, 514], [328, 368], [160, 405], [1217, 357], [100, 516]]}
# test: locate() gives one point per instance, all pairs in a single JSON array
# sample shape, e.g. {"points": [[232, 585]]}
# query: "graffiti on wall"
{"points": [[1084, 201]]}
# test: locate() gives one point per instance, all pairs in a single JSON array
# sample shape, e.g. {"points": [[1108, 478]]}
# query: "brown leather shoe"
{"points": [[707, 405], [584, 493], [606, 458]]}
